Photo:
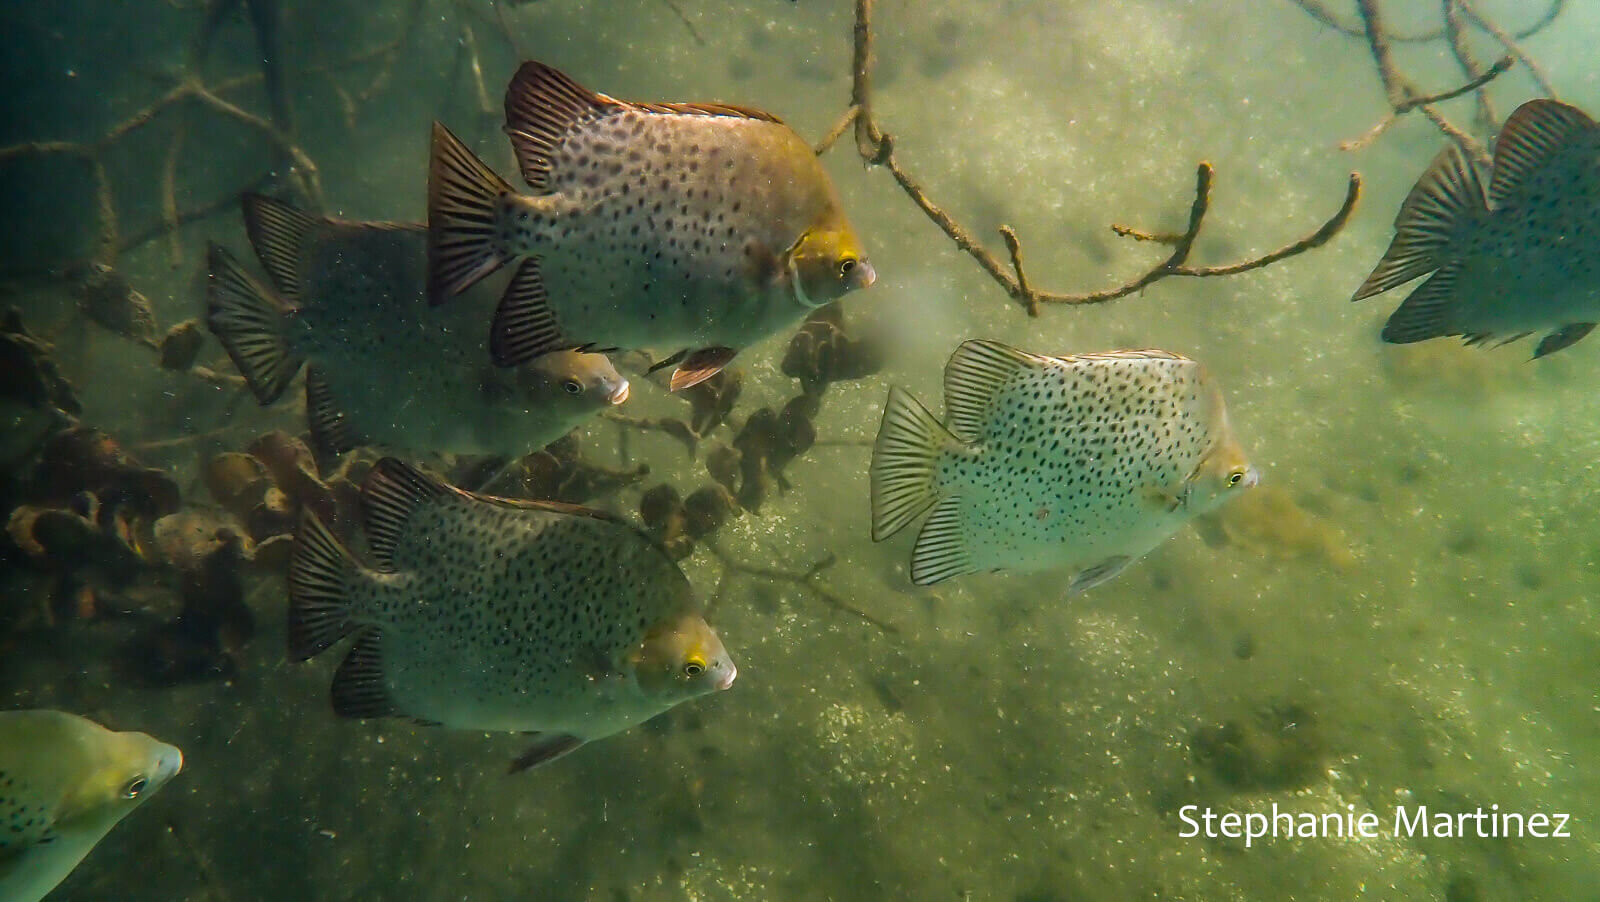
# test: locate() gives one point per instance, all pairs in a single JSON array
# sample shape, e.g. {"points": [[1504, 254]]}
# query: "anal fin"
{"points": [[941, 550], [358, 685], [546, 748], [1089, 577], [1564, 337], [524, 326], [1427, 312], [331, 432], [699, 366]]}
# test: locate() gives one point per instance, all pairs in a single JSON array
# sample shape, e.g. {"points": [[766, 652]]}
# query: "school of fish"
{"points": [[696, 230]]}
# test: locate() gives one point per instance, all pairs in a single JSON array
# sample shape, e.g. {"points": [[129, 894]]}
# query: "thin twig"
{"points": [[805, 579], [876, 148], [1509, 41]]}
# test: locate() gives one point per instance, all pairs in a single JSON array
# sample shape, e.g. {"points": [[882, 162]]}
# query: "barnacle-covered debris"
{"points": [[824, 352], [711, 401], [182, 345], [723, 465], [294, 473], [204, 640], [82, 459], [85, 550], [768, 442], [35, 399], [106, 297], [706, 509], [661, 510], [559, 473]]}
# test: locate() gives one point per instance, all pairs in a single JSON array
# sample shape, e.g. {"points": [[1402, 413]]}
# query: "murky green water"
{"points": [[1403, 614]]}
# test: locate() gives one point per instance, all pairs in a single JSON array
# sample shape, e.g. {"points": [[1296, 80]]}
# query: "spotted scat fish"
{"points": [[491, 614], [1525, 259], [385, 368], [1083, 462], [65, 781], [693, 227]]}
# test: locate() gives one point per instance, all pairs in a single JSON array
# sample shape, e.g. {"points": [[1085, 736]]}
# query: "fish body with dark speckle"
{"points": [[1521, 258], [492, 614], [696, 228], [1083, 463], [384, 367]]}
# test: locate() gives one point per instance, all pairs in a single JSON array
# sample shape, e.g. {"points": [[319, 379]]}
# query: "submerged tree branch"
{"points": [[876, 148]]}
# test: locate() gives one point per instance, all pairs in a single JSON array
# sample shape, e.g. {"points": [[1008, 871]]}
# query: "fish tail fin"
{"points": [[463, 196], [251, 324], [321, 574], [904, 460], [1445, 203]]}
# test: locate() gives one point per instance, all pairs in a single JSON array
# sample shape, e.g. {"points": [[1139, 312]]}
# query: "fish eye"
{"points": [[694, 667], [1236, 477], [846, 266], [572, 386], [133, 788]]}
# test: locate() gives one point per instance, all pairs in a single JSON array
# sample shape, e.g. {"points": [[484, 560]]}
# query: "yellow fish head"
{"points": [[826, 263], [1222, 473], [683, 658]]}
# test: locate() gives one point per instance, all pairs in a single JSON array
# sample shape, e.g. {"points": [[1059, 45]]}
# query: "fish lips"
{"points": [[862, 276], [620, 394], [725, 678]]}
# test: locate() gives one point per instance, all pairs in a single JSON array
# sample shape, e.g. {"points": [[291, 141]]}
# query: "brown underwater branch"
{"points": [[1317, 10], [876, 148], [187, 95], [1403, 95], [806, 579]]}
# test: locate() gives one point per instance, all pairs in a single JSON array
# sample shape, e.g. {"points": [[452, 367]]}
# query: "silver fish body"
{"points": [[489, 614], [65, 781], [1084, 462], [384, 367], [1518, 258]]}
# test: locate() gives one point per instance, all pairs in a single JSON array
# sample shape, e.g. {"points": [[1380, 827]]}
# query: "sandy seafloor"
{"points": [[1437, 645]]}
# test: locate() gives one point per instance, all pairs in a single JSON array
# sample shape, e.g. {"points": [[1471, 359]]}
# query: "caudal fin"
{"points": [[1444, 204], [252, 326], [463, 194], [904, 458], [321, 573]]}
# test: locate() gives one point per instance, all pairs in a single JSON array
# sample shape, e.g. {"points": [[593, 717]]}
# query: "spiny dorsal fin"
{"points": [[975, 374], [1446, 201], [543, 106], [1534, 134], [707, 109], [391, 493], [278, 232]]}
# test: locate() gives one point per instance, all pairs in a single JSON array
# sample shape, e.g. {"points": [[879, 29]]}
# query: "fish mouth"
{"points": [[864, 275], [725, 679], [620, 395]]}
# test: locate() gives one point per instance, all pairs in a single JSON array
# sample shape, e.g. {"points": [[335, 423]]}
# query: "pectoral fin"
{"points": [[1564, 337], [546, 748], [699, 366], [1093, 576]]}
